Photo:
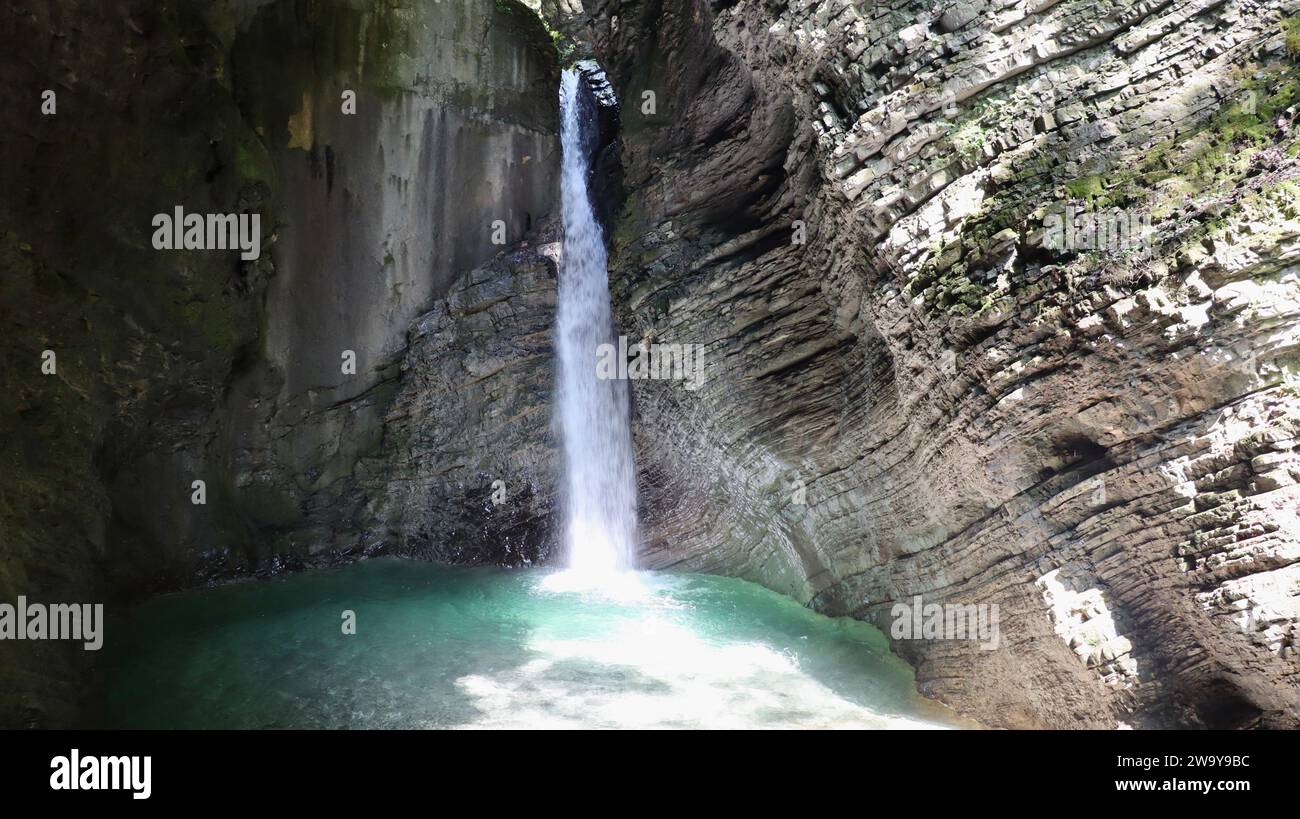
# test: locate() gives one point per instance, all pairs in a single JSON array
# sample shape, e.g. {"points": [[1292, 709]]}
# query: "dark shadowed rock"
{"points": [[911, 388]]}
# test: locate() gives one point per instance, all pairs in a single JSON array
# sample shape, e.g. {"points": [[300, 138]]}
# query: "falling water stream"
{"points": [[437, 646], [600, 478]]}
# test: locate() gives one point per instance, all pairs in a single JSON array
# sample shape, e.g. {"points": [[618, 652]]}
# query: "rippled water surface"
{"points": [[439, 647]]}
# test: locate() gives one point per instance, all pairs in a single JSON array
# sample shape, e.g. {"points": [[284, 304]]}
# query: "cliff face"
{"points": [[912, 391], [911, 387], [454, 158], [177, 366]]}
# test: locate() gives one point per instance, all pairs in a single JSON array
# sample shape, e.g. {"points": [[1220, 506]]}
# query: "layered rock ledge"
{"points": [[1101, 443]]}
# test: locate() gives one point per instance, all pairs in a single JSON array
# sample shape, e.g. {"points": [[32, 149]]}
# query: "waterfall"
{"points": [[599, 474]]}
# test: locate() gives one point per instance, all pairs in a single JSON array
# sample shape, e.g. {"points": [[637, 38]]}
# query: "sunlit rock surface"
{"points": [[922, 398], [964, 410]]}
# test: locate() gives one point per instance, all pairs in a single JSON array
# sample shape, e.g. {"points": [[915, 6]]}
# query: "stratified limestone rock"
{"points": [[910, 389], [470, 467], [926, 397]]}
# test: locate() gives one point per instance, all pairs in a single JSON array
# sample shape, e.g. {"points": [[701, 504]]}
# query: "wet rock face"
{"points": [[142, 340], [470, 464], [181, 366], [600, 103], [381, 215], [914, 388]]}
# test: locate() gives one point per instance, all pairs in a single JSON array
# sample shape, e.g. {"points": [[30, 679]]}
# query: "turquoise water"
{"points": [[445, 647]]}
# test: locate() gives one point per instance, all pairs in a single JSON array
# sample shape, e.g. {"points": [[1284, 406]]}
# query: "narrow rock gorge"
{"points": [[911, 387], [1102, 444]]}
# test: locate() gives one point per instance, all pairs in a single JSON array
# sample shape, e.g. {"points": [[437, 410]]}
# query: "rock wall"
{"points": [[468, 472], [181, 366], [380, 214], [142, 340], [912, 391]]}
